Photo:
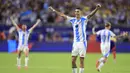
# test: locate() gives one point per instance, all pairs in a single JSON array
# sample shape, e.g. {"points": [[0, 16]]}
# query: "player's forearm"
{"points": [[93, 30], [38, 21], [61, 14], [14, 23], [92, 13], [119, 36], [122, 35], [34, 26], [57, 12]]}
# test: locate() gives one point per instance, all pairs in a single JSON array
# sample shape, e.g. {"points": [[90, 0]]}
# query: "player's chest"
{"points": [[24, 34]]}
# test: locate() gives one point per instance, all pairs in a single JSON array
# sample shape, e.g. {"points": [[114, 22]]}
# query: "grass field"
{"points": [[61, 63]]}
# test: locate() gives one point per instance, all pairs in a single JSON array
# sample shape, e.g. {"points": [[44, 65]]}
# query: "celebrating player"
{"points": [[23, 41], [105, 35], [112, 46], [79, 23]]}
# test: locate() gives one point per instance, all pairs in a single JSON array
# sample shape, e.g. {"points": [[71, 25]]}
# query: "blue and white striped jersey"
{"points": [[79, 28], [23, 37], [105, 35]]}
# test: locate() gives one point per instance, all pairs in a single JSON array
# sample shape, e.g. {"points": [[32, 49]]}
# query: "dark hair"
{"points": [[79, 8], [107, 24]]}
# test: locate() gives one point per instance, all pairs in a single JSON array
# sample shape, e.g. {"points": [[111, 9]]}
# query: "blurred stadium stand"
{"points": [[54, 29], [115, 11]]}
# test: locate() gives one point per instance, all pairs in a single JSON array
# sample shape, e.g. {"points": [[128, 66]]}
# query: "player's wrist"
{"points": [[97, 8], [53, 9]]}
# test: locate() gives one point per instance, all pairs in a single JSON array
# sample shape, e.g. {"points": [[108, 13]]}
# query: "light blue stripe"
{"points": [[109, 36], [77, 32], [104, 37], [23, 38], [106, 55], [72, 21], [83, 33], [85, 45]]}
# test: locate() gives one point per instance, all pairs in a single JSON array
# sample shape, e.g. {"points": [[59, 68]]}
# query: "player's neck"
{"points": [[24, 30], [107, 28], [78, 17]]}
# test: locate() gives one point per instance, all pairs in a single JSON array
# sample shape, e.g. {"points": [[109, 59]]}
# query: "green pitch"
{"points": [[61, 63]]}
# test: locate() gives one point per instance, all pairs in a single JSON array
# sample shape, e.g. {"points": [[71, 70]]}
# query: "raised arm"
{"points": [[11, 18], [93, 31], [38, 21], [122, 35], [57, 12], [94, 11]]}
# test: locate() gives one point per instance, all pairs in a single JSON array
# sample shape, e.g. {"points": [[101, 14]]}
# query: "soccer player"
{"points": [[79, 23], [23, 35], [112, 46], [105, 35]]}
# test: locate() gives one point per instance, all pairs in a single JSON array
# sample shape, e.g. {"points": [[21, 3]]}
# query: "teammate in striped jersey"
{"points": [[112, 46], [79, 23], [105, 45], [23, 36]]}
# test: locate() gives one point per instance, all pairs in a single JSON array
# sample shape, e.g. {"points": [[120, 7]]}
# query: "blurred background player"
{"points": [[79, 23], [112, 46], [23, 35], [105, 45]]}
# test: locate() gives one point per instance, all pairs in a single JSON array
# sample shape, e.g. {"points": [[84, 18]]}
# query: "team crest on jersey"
{"points": [[78, 22]]}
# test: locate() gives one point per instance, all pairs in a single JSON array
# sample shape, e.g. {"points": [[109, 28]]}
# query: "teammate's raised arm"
{"points": [[11, 18], [93, 31], [57, 12], [94, 11], [38, 21]]}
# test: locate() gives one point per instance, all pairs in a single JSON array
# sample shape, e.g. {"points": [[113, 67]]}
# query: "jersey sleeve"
{"points": [[69, 18], [112, 34], [19, 30], [86, 17], [29, 31]]}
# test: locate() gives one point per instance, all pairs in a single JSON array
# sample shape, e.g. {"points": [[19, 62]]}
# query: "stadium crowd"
{"points": [[115, 11]]}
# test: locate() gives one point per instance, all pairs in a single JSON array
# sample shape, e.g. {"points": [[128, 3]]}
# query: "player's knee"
{"points": [[26, 55], [81, 62], [104, 61], [73, 60], [19, 53], [81, 59]]}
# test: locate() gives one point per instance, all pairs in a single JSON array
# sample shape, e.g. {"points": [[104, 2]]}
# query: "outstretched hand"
{"points": [[51, 8], [124, 34], [38, 20], [11, 17], [98, 5]]}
